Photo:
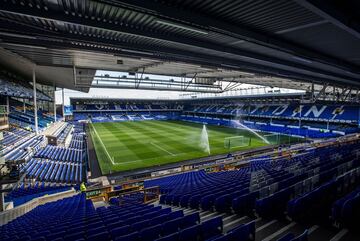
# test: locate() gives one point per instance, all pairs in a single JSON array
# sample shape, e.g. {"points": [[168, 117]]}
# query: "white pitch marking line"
{"points": [[120, 163], [156, 145], [280, 231], [266, 225], [339, 235], [313, 229], [107, 153]]}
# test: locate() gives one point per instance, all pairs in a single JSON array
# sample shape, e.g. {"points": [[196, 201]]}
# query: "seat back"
{"points": [[190, 233], [190, 220], [211, 228], [150, 233]]}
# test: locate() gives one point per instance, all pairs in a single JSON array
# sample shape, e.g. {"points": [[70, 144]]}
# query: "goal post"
{"points": [[278, 138], [236, 141]]}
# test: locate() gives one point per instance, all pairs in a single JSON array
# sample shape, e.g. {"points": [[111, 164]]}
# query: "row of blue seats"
{"points": [[60, 154], [346, 210], [25, 149], [64, 133], [9, 87], [30, 119], [75, 218], [78, 127], [264, 127], [53, 171], [276, 203], [23, 190], [283, 200], [332, 112], [293, 131], [13, 135], [115, 116], [20, 196], [77, 141], [203, 192], [126, 107]]}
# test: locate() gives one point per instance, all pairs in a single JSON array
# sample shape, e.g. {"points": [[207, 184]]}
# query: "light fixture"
{"points": [[302, 59], [180, 26], [229, 65], [26, 46], [136, 52], [18, 35]]}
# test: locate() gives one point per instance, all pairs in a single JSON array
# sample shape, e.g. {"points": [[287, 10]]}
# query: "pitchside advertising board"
{"points": [[68, 110]]}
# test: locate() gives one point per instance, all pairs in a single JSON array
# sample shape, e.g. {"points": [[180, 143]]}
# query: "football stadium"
{"points": [[200, 120]]}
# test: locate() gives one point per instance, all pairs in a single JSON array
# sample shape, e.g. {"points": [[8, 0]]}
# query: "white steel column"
{"points": [[35, 104], [54, 102], [8, 104], [63, 106]]}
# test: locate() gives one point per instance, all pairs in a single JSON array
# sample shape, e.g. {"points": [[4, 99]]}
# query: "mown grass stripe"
{"points": [[130, 143]]}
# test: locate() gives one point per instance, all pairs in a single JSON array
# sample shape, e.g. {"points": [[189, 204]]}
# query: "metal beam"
{"points": [[347, 22], [214, 24], [194, 77], [63, 103], [167, 54], [35, 101], [143, 67], [343, 94], [174, 39], [157, 86], [92, 41], [321, 92], [235, 85], [54, 102], [114, 79]]}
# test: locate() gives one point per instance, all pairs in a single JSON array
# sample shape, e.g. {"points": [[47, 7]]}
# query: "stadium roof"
{"points": [[284, 43]]}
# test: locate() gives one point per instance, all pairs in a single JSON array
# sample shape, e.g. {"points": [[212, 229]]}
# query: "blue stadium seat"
{"points": [[244, 232], [190, 220], [150, 233], [102, 236], [128, 237], [190, 233], [170, 237], [120, 231], [211, 228], [171, 226]]}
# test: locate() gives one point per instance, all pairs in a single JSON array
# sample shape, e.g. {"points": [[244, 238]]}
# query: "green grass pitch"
{"points": [[124, 146]]}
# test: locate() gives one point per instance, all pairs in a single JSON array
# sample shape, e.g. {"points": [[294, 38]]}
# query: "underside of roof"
{"points": [[283, 43]]}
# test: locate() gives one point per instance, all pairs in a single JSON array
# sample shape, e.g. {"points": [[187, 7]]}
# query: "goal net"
{"points": [[277, 139], [236, 141], [272, 138]]}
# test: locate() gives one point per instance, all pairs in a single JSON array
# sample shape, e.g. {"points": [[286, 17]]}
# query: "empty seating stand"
{"points": [[76, 218], [24, 194], [59, 164]]}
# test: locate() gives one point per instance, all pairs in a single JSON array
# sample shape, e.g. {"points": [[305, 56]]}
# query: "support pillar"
{"points": [[312, 91], [8, 104], [63, 104], [24, 106], [54, 102], [35, 102], [300, 116]]}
